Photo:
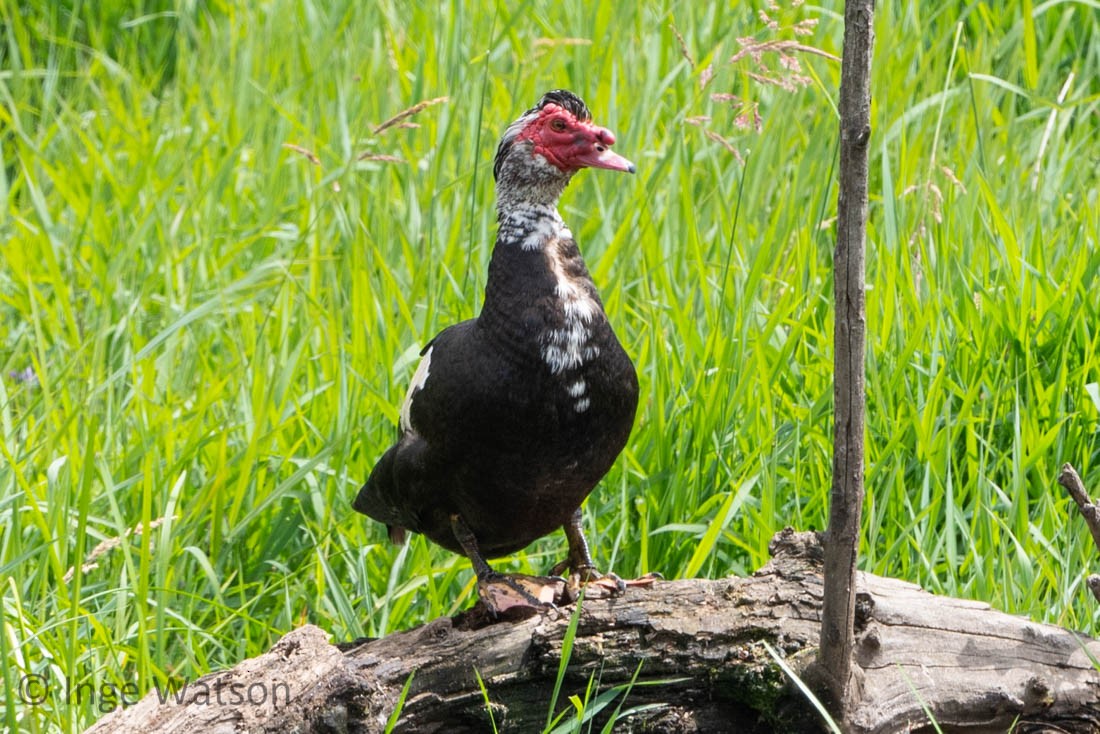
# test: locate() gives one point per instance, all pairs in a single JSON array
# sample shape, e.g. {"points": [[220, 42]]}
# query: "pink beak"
{"points": [[600, 156]]}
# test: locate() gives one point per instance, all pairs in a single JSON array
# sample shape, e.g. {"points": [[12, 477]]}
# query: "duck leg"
{"points": [[584, 572], [500, 591], [579, 560]]}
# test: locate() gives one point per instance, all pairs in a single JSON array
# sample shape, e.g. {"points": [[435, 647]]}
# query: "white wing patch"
{"points": [[418, 379]]}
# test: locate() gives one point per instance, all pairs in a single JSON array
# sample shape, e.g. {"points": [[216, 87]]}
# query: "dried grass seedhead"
{"points": [[545, 45], [683, 45], [932, 199], [92, 561], [773, 57], [400, 121], [407, 113]]}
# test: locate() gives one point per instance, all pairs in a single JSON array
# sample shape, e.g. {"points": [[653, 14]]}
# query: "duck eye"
{"points": [[557, 124]]}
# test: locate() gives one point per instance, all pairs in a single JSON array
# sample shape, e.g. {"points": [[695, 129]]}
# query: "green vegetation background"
{"points": [[210, 303]]}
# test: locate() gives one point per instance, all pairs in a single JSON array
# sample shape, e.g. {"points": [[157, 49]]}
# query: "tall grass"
{"points": [[210, 304]]}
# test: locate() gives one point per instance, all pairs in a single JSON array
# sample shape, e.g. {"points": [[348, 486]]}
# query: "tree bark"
{"points": [[846, 498], [700, 645], [1071, 480]]}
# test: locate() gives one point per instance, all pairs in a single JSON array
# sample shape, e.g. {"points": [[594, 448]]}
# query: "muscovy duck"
{"points": [[512, 417]]}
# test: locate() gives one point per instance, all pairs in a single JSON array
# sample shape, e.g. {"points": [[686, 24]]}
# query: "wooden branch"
{"points": [[1071, 480], [700, 643], [1093, 582], [849, 336]]}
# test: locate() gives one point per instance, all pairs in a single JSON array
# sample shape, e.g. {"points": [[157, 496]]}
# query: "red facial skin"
{"points": [[571, 144]]}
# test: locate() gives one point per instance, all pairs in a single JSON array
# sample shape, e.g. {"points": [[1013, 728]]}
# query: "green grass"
{"points": [[220, 330]]}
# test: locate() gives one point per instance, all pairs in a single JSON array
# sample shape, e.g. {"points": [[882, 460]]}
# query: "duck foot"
{"points": [[584, 574], [515, 597], [598, 585], [503, 592]]}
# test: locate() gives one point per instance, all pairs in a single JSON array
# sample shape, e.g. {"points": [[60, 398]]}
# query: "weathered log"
{"points": [[700, 642]]}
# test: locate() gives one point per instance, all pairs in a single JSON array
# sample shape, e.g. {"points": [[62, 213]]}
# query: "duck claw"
{"points": [[646, 579], [598, 585]]}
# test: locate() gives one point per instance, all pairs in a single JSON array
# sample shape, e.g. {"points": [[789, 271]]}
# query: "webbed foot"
{"points": [[501, 592]]}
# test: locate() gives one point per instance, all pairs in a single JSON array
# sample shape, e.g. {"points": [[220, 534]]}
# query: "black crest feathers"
{"points": [[564, 98]]}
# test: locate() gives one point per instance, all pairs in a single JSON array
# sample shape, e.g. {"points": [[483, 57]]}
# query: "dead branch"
{"points": [[849, 336], [1071, 480]]}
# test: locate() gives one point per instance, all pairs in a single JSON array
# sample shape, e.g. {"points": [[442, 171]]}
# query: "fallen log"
{"points": [[697, 648]]}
